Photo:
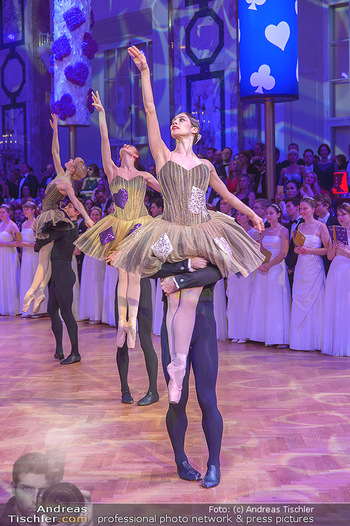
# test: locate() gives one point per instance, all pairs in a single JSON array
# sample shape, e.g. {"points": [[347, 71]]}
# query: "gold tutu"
{"points": [[130, 214], [187, 229], [51, 216]]}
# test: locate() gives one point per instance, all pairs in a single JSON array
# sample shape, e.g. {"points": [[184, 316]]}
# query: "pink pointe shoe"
{"points": [[28, 298], [39, 298], [176, 372], [131, 333], [121, 334]]}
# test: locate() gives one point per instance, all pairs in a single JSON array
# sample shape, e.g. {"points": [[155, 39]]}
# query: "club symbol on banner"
{"points": [[263, 79], [254, 3], [278, 35]]}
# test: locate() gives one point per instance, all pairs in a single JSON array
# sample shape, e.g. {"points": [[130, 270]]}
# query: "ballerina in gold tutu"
{"points": [[52, 221], [128, 188], [186, 228]]}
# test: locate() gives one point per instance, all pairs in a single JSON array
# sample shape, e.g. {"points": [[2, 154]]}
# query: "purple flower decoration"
{"points": [[89, 101], [120, 198], [77, 74], [89, 46], [134, 228], [74, 18], [61, 48], [64, 107]]}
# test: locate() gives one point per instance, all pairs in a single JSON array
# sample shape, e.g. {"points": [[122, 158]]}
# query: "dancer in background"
{"points": [[186, 228], [30, 258], [61, 290], [52, 222], [9, 263], [128, 188]]}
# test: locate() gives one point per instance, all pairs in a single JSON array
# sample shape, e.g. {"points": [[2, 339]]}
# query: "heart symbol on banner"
{"points": [[278, 35]]}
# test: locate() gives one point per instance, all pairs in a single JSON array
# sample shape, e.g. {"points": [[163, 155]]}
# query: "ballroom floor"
{"points": [[286, 421]]}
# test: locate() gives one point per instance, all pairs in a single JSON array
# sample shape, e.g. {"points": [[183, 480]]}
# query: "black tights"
{"points": [[61, 299], [203, 356], [144, 318]]}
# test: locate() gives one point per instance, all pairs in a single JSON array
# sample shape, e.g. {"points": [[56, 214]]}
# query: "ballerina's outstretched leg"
{"points": [[128, 303], [40, 276], [181, 318]]}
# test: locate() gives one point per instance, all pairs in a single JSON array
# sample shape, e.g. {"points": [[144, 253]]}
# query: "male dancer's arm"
{"points": [[183, 278]]}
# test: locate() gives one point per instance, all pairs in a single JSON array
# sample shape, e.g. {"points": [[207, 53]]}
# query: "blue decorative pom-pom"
{"points": [[77, 74], [64, 107], [61, 48], [74, 18], [89, 46]]}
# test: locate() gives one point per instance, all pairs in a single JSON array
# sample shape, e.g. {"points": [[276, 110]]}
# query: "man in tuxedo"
{"points": [[102, 201], [308, 157], [210, 155], [28, 178], [323, 204], [292, 208]]}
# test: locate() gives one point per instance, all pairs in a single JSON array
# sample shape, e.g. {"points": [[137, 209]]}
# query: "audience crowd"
{"points": [[299, 297]]}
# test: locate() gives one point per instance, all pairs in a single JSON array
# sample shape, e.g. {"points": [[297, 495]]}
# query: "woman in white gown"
{"points": [[335, 337], [269, 314], [309, 280], [92, 279], [239, 292], [9, 264], [30, 258]]}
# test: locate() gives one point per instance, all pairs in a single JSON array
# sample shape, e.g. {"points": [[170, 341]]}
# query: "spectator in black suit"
{"points": [[210, 155], [27, 177], [48, 175], [226, 159], [12, 184], [102, 201], [323, 204], [292, 209]]}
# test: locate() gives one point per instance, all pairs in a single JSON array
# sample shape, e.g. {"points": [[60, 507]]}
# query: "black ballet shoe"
{"points": [[187, 472], [149, 398], [212, 477], [59, 355], [72, 358], [127, 398]]}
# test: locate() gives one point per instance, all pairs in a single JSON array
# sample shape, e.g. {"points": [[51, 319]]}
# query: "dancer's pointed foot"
{"points": [[176, 370], [212, 477], [72, 358], [39, 298], [131, 332], [127, 398], [121, 334], [28, 298], [149, 398], [187, 472]]}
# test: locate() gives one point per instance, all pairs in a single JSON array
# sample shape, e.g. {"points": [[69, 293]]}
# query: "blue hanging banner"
{"points": [[268, 50]]}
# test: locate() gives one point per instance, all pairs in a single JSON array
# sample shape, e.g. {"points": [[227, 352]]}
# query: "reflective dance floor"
{"points": [[286, 421]]}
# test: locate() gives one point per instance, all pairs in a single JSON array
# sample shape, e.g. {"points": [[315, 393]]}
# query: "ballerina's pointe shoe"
{"points": [[176, 372], [28, 298], [121, 334], [131, 333], [39, 298]]}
